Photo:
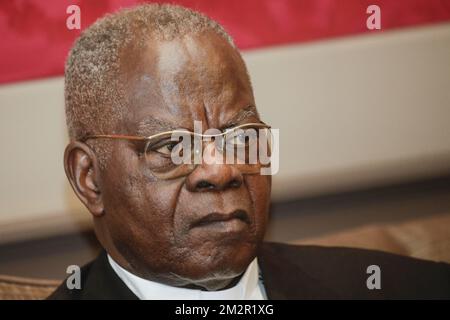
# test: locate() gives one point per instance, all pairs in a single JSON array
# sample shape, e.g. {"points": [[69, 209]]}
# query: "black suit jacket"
{"points": [[303, 272]]}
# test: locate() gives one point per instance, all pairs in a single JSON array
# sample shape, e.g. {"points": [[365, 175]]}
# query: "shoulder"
{"points": [[98, 282], [344, 272]]}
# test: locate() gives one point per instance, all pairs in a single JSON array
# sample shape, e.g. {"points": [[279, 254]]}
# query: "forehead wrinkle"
{"points": [[222, 95], [150, 126]]}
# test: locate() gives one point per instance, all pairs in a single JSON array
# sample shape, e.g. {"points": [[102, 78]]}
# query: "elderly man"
{"points": [[190, 230]]}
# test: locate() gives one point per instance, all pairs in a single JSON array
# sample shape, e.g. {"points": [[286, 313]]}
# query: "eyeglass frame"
{"points": [[151, 137]]}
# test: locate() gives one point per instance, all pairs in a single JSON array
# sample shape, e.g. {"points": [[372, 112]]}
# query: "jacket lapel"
{"points": [[102, 283], [283, 279]]}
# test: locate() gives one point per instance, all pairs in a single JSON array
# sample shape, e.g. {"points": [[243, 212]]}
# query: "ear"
{"points": [[81, 166]]}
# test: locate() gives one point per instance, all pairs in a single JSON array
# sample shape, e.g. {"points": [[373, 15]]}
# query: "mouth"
{"points": [[233, 221]]}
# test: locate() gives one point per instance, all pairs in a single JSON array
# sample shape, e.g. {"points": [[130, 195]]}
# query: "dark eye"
{"points": [[165, 149]]}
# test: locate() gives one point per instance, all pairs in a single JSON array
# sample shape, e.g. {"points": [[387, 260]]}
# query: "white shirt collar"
{"points": [[249, 287]]}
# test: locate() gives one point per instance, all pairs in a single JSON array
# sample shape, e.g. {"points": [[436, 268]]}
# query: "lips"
{"points": [[217, 217]]}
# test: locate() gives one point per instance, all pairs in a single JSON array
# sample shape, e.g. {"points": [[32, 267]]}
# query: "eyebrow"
{"points": [[241, 115], [150, 126]]}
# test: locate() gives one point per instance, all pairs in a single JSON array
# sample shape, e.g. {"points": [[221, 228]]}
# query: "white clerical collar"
{"points": [[248, 288]]}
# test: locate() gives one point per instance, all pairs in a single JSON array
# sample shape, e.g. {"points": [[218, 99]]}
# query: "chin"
{"points": [[222, 262]]}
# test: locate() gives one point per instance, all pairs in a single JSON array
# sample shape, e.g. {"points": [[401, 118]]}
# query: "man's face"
{"points": [[168, 229]]}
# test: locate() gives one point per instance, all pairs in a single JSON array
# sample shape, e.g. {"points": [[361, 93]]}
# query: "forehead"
{"points": [[176, 82]]}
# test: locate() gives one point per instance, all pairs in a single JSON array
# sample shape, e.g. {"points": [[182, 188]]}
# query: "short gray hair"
{"points": [[94, 96]]}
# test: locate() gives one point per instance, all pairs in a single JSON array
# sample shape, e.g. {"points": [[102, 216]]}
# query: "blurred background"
{"points": [[364, 119]]}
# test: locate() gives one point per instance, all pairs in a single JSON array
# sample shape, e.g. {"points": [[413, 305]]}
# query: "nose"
{"points": [[214, 177]]}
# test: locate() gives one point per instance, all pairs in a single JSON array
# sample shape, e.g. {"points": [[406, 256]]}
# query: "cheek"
{"points": [[259, 188], [139, 210], [141, 225]]}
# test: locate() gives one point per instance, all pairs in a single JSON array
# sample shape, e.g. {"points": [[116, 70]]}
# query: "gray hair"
{"points": [[94, 98]]}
